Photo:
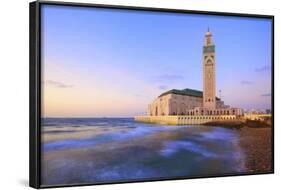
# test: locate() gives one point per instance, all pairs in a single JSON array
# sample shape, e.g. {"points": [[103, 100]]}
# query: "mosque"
{"points": [[189, 102]]}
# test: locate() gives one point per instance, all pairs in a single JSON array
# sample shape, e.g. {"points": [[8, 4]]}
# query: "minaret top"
{"points": [[208, 33], [208, 38]]}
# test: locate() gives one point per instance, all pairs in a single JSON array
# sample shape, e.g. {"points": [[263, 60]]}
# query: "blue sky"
{"points": [[101, 62]]}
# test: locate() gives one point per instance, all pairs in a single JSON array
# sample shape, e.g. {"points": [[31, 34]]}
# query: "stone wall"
{"points": [[184, 120]]}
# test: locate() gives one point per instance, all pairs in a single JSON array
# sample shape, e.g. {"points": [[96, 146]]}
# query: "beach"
{"points": [[257, 146], [102, 150]]}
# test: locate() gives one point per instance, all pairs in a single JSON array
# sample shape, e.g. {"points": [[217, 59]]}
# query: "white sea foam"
{"points": [[173, 147]]}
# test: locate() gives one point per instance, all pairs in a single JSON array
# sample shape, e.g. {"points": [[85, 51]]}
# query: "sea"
{"points": [[108, 150]]}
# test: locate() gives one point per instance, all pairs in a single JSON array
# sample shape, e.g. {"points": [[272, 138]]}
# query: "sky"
{"points": [[112, 63]]}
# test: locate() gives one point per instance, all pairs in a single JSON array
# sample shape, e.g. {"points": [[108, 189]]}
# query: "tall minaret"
{"points": [[209, 72]]}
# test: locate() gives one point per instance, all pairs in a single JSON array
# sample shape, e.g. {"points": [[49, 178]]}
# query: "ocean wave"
{"points": [[219, 134], [89, 137], [174, 147]]}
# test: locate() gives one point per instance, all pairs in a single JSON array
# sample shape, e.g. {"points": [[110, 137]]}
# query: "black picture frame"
{"points": [[35, 85]]}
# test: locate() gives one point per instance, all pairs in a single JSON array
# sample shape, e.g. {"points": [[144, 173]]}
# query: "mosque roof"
{"points": [[185, 92]]}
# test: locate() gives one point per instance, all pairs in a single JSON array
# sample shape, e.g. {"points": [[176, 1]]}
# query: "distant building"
{"points": [[257, 116], [268, 111], [195, 102], [257, 111]]}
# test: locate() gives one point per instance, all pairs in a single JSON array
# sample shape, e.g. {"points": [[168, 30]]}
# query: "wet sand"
{"points": [[257, 146], [255, 141]]}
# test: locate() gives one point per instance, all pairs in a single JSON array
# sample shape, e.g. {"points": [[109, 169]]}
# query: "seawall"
{"points": [[184, 119]]}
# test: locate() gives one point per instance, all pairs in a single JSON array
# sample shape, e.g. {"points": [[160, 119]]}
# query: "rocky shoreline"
{"points": [[257, 146], [256, 142], [241, 123]]}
